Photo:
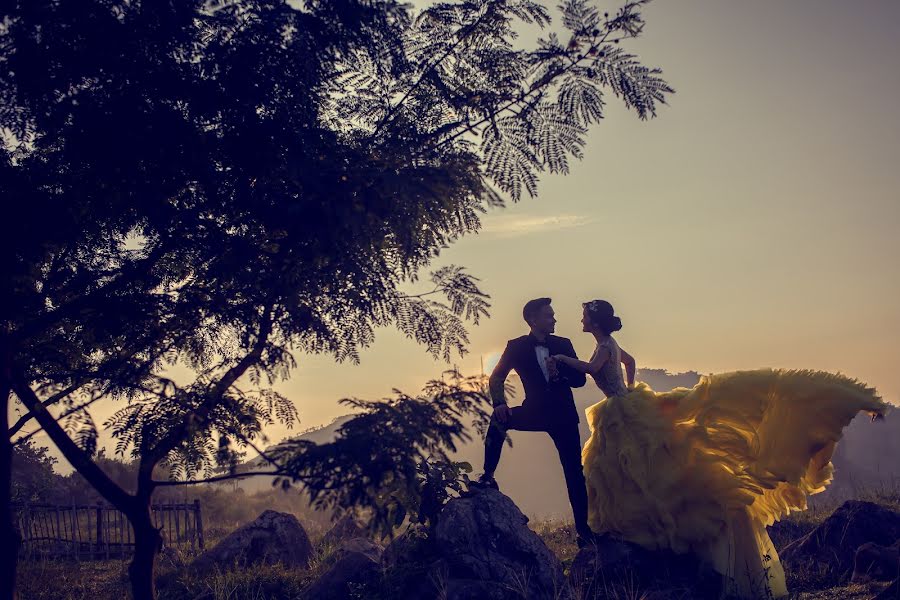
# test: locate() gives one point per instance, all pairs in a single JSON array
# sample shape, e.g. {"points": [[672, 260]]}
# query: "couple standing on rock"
{"points": [[701, 470]]}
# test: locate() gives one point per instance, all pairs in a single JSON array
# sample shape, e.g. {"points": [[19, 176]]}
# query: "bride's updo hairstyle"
{"points": [[602, 316]]}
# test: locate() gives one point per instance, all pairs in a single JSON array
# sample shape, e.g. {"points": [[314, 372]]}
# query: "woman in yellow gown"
{"points": [[705, 470]]}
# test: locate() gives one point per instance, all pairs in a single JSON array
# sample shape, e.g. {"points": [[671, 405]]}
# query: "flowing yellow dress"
{"points": [[705, 470]]}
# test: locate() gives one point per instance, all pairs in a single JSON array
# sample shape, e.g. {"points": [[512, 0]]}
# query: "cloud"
{"points": [[509, 226]]}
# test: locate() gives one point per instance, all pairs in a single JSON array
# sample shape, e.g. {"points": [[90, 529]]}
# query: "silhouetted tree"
{"points": [[222, 185], [33, 478]]}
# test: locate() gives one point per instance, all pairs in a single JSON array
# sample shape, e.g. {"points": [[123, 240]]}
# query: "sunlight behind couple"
{"points": [[490, 360]]}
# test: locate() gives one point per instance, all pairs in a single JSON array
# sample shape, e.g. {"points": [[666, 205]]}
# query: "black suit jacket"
{"points": [[552, 401]]}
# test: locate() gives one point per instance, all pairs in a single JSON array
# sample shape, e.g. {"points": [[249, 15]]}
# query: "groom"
{"points": [[548, 405]]}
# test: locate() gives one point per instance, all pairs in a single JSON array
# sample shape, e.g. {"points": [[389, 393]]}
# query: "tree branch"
{"points": [[44, 404], [387, 120], [537, 87], [45, 320], [177, 434], [67, 413], [75, 455], [217, 478]]}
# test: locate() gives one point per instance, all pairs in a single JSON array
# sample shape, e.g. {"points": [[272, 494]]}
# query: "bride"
{"points": [[705, 470]]}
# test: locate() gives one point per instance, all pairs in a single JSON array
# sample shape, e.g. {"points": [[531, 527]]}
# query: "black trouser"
{"points": [[568, 443]]}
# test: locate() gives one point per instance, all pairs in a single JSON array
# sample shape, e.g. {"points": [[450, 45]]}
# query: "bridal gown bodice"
{"points": [[609, 378]]}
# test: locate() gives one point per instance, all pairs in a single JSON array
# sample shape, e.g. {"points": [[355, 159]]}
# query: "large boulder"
{"points": [[413, 545], [833, 544], [357, 563], [412, 565], [484, 539], [273, 537], [608, 556], [477, 589], [879, 563], [346, 528], [891, 592], [608, 564]]}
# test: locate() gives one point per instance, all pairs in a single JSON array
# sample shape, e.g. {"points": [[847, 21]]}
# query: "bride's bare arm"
{"points": [[630, 366], [585, 367]]}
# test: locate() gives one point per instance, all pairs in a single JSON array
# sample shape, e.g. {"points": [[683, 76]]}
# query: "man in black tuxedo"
{"points": [[548, 405]]}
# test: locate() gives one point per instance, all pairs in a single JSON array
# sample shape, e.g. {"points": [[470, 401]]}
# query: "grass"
{"points": [[258, 582], [60, 580], [102, 580], [108, 580]]}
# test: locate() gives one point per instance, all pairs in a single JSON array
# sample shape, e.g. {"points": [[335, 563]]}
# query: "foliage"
{"points": [[392, 459], [32, 474], [439, 482], [151, 266], [222, 186], [224, 506]]}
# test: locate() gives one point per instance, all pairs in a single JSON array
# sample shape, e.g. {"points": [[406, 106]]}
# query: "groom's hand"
{"points": [[552, 368], [501, 413]]}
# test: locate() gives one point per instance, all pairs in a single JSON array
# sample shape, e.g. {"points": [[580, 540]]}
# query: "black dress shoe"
{"points": [[484, 482], [584, 539]]}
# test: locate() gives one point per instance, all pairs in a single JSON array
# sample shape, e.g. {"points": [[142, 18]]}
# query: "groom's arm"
{"points": [[497, 383], [572, 377]]}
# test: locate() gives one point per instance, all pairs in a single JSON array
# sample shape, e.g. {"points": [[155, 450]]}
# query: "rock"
{"points": [[607, 556], [412, 566], [891, 592], [475, 589], [610, 560], [357, 563], [411, 546], [784, 532], [874, 562], [346, 528], [833, 543], [273, 537], [484, 537]]}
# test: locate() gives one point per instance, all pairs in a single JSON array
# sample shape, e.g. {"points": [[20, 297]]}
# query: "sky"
{"points": [[754, 223]]}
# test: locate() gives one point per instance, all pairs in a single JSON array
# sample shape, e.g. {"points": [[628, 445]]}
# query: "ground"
{"points": [[102, 580]]}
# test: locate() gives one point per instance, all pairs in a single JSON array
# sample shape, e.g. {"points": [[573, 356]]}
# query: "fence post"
{"points": [[198, 520], [25, 531], [76, 528], [59, 533], [99, 529]]}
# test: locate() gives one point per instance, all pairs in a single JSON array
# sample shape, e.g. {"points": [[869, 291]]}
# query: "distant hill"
{"points": [[868, 456]]}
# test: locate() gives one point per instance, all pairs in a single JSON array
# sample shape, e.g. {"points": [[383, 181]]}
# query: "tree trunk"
{"points": [[147, 544], [9, 537]]}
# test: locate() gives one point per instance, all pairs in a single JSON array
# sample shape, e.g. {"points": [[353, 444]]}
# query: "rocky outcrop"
{"points": [[273, 537], [483, 549], [598, 567], [878, 563], [412, 566], [891, 592], [356, 563], [415, 545], [489, 550], [833, 544], [346, 528]]}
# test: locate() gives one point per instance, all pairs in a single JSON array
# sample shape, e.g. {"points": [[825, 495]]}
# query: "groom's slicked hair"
{"points": [[532, 307]]}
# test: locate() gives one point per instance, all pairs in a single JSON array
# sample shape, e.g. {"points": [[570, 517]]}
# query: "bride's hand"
{"points": [[560, 358]]}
